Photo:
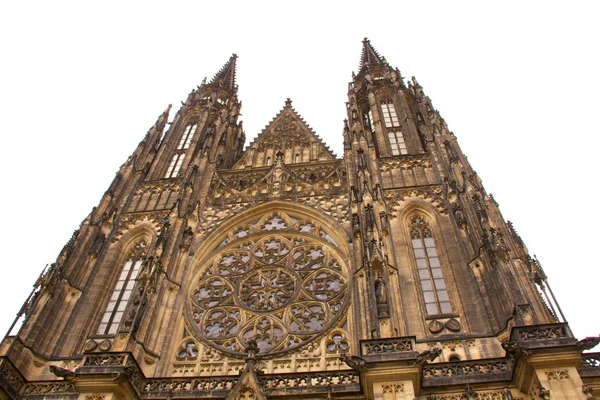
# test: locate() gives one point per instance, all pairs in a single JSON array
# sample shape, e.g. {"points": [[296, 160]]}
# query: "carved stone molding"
{"points": [[405, 162], [399, 197], [556, 375], [211, 217], [129, 221]]}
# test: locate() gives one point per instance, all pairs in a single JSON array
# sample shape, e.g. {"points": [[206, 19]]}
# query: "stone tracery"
{"points": [[277, 280]]}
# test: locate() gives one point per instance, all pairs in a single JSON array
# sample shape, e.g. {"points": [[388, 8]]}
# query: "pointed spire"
{"points": [[226, 75], [369, 55]]}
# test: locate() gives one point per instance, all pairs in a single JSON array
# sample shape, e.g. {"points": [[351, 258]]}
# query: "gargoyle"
{"points": [[61, 372], [354, 362], [427, 355], [512, 348], [588, 343]]}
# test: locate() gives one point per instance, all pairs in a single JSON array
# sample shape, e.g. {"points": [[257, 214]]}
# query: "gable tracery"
{"points": [[278, 280], [292, 180]]}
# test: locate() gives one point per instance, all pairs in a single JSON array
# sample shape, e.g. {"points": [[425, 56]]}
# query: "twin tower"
{"points": [[281, 271]]}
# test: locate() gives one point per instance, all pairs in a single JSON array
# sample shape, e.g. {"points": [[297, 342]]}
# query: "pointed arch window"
{"points": [[397, 143], [115, 308], [175, 165], [186, 138], [389, 114], [369, 120], [433, 285]]}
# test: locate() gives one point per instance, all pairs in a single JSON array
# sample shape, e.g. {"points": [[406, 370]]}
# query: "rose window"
{"points": [[281, 282], [265, 289]]}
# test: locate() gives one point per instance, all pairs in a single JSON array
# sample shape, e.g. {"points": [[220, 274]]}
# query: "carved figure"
{"points": [[186, 240], [97, 245], [380, 292]]}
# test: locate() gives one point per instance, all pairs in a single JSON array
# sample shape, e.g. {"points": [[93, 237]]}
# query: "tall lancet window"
{"points": [[184, 144], [187, 137], [430, 271], [175, 165], [397, 143], [389, 114], [122, 292]]}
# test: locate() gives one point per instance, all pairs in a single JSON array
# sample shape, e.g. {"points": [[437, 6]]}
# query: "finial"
{"points": [[288, 102]]}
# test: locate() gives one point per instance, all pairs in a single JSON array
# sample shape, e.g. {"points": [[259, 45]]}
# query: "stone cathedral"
{"points": [[282, 271]]}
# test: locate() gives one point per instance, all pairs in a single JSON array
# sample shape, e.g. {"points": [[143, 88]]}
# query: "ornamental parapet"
{"points": [[542, 336], [123, 367], [291, 385], [590, 365], [55, 388], [11, 379], [388, 349], [463, 372]]}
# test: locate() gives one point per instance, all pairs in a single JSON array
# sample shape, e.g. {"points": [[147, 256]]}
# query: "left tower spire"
{"points": [[226, 75], [132, 238]]}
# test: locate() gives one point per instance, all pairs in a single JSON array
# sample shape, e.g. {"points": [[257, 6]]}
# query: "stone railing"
{"points": [[11, 379], [388, 349], [474, 371], [61, 388], [310, 383], [547, 335], [273, 384], [117, 364], [155, 387], [590, 365], [106, 360], [293, 384]]}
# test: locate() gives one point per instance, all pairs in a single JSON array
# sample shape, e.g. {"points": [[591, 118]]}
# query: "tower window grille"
{"points": [[433, 285]]}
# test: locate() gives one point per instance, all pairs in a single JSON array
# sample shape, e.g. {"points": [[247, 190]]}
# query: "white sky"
{"points": [[517, 82]]}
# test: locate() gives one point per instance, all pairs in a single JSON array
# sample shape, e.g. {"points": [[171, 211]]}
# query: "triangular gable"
{"points": [[287, 133]]}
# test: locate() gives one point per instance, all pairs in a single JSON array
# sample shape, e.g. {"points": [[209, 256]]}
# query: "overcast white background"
{"points": [[517, 82]]}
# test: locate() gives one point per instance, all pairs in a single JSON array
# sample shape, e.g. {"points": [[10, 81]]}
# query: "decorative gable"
{"points": [[287, 134]]}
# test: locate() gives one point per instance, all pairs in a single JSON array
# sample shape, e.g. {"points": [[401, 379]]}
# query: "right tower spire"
{"points": [[424, 218]]}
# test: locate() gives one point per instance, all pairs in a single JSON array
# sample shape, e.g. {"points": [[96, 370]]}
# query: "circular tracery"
{"points": [[267, 288], [278, 283]]}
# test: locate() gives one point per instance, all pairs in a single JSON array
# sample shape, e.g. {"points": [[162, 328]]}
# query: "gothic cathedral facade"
{"points": [[281, 271]]}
